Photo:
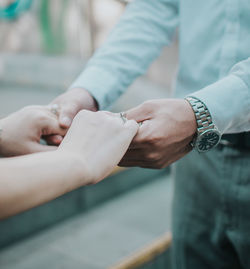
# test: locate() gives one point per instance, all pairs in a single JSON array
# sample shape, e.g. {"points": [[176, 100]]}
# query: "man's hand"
{"points": [[22, 131], [70, 103], [168, 127]]}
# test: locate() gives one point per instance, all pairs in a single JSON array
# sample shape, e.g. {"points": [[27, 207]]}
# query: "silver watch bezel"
{"points": [[201, 135]]}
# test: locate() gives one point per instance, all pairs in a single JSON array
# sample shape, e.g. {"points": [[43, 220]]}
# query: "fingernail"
{"points": [[58, 139], [66, 121]]}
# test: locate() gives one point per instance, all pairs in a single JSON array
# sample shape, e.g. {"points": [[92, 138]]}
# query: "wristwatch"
{"points": [[207, 135]]}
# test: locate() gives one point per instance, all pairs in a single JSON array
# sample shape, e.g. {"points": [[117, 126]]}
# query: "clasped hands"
{"points": [[168, 126]]}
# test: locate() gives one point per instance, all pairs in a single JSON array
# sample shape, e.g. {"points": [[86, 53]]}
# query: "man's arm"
{"points": [[145, 27], [228, 99], [169, 124]]}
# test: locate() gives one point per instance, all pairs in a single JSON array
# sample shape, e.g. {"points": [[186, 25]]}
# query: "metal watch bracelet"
{"points": [[207, 136], [202, 114]]}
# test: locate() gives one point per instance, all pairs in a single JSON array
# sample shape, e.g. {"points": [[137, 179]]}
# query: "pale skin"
{"points": [[91, 149], [71, 102], [22, 131], [168, 127]]}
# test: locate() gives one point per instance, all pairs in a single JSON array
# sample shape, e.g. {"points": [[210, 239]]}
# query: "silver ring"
{"points": [[55, 109], [123, 117]]}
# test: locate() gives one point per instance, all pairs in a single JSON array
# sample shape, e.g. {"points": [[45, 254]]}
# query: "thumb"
{"points": [[53, 139], [51, 126], [67, 115], [139, 113]]}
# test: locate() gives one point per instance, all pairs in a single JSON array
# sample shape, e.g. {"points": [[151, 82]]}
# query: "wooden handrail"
{"points": [[145, 254]]}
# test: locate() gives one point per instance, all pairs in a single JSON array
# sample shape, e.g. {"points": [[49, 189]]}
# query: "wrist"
{"points": [[77, 168], [190, 118]]}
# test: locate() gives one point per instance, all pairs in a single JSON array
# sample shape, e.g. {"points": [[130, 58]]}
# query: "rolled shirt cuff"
{"points": [[228, 103]]}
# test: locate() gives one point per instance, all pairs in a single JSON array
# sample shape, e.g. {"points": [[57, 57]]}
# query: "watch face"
{"points": [[208, 140]]}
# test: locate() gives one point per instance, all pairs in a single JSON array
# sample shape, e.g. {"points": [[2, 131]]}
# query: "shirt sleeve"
{"points": [[145, 27], [228, 99]]}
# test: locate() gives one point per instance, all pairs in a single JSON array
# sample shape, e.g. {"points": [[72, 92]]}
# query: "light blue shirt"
{"points": [[214, 55]]}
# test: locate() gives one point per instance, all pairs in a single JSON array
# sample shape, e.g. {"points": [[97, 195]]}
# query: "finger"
{"points": [[132, 127], [51, 126], [53, 139], [53, 111], [127, 132], [135, 146], [137, 158], [139, 113], [134, 155], [140, 140]]}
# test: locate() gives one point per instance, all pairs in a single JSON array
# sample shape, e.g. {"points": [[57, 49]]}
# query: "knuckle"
{"points": [[111, 121], [147, 106], [139, 140], [150, 105], [80, 116], [69, 109], [103, 116], [154, 157]]}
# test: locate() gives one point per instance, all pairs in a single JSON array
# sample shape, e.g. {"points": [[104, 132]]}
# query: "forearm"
{"points": [[35, 179], [135, 42], [85, 156]]}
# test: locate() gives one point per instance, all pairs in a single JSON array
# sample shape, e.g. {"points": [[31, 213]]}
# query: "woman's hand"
{"points": [[93, 146], [99, 140], [21, 131]]}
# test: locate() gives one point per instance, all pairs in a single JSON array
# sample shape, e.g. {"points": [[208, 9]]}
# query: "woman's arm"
{"points": [[32, 180], [93, 146]]}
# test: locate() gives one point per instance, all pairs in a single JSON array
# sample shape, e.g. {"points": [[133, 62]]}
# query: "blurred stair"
{"points": [[127, 232], [70, 204]]}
